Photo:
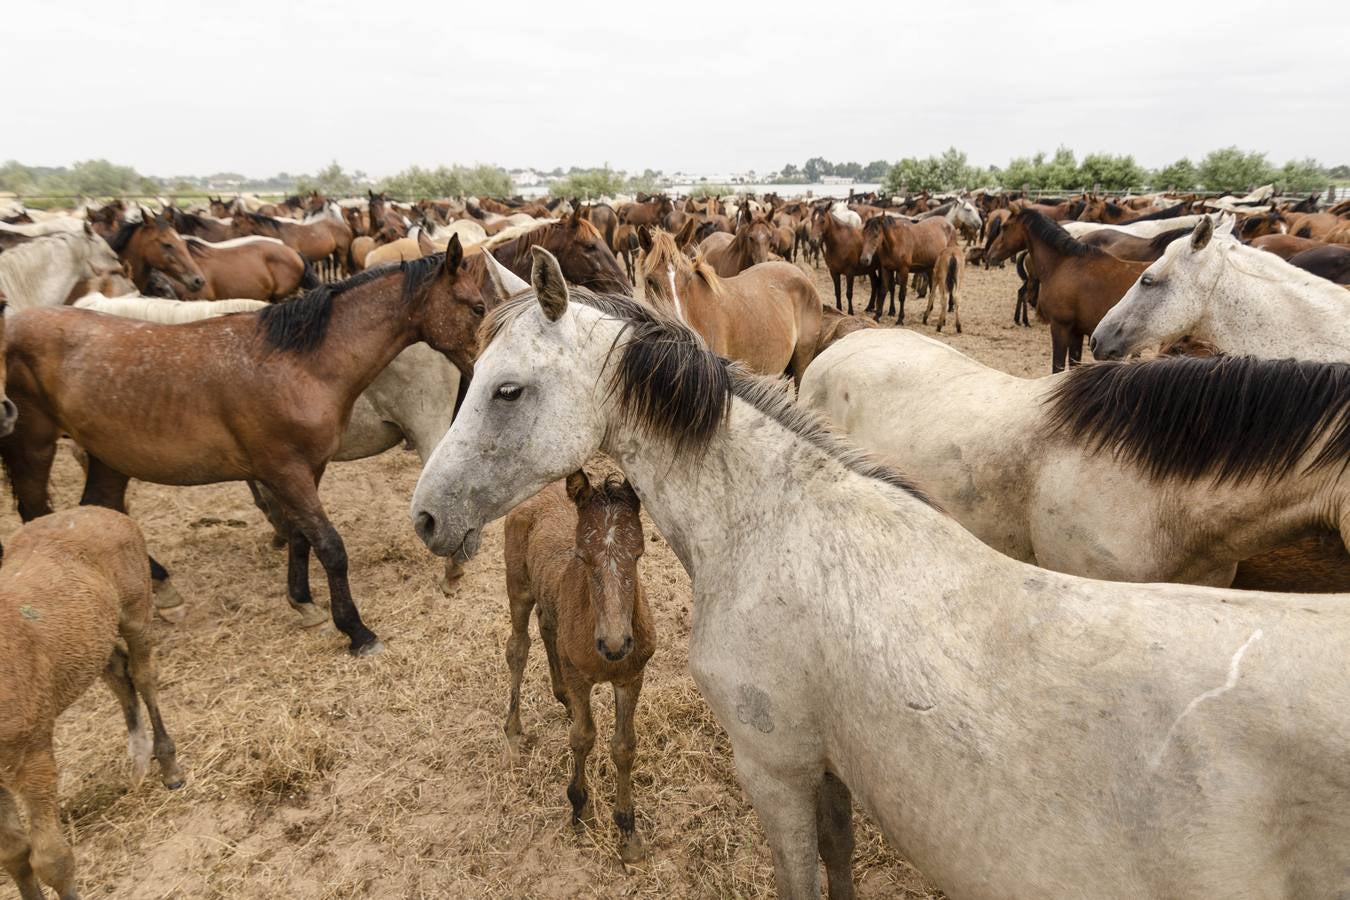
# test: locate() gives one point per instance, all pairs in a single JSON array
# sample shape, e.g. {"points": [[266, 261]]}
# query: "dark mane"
{"points": [[118, 242], [300, 325], [1229, 418], [1170, 212], [1159, 243], [672, 387], [260, 219], [1052, 233]]}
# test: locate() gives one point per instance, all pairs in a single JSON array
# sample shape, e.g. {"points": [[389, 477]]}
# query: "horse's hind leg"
{"points": [[622, 749], [107, 487], [281, 527], [14, 849], [834, 836], [118, 679], [299, 494], [144, 674], [50, 855], [297, 581]]}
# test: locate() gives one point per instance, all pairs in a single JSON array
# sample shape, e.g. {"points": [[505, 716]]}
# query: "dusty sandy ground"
{"points": [[313, 775]]}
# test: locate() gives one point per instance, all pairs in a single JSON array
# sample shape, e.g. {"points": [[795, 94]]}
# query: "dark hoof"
{"points": [[174, 784]]}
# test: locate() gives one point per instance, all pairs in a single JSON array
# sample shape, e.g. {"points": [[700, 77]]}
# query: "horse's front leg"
{"points": [[298, 492], [834, 835], [786, 804]]}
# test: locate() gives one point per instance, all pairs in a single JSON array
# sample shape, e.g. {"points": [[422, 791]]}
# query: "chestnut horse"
{"points": [[1078, 282], [72, 584], [580, 248], [768, 317], [843, 245], [249, 268], [1124, 245], [325, 238], [572, 556], [208, 228], [259, 396], [896, 247], [731, 254], [152, 243]]}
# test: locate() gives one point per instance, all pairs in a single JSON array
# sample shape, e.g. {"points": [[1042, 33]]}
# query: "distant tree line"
{"points": [[1226, 169]]}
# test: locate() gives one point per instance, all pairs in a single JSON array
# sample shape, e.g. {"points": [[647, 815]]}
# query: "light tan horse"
{"points": [[72, 583], [768, 317]]}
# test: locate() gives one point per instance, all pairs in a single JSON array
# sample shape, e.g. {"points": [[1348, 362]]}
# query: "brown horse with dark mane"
{"points": [[896, 247], [1124, 245], [767, 317], [153, 244], [1078, 283], [262, 396], [580, 248], [842, 244], [323, 239]]}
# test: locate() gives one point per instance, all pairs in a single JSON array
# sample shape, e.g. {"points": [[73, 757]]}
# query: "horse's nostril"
{"points": [[424, 525], [1092, 344]]}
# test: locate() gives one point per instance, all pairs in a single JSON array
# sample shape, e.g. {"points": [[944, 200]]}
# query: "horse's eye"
{"points": [[479, 309], [509, 392], [166, 245], [1146, 280]]}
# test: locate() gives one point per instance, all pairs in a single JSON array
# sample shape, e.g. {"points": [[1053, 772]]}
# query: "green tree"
{"points": [[1302, 176], [1112, 173], [1231, 169], [947, 172], [417, 183], [589, 184], [815, 168], [330, 180], [16, 177], [875, 170], [1181, 175]]}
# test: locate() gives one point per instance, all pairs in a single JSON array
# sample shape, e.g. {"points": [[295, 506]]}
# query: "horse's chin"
{"points": [[468, 547]]}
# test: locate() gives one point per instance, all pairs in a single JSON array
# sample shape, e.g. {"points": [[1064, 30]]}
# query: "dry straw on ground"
{"points": [[313, 775]]}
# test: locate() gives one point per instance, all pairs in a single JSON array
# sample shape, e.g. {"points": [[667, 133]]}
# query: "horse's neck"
{"points": [[368, 327], [1044, 257], [721, 508], [38, 275], [1290, 319]]}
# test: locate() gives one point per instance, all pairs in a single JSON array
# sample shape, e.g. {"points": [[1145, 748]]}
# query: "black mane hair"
{"points": [[1053, 234], [1228, 418], [300, 325]]}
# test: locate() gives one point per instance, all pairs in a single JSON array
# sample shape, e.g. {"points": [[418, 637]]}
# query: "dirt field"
{"points": [[313, 775]]}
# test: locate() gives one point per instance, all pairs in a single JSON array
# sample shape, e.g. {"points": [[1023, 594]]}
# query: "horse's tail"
{"points": [[953, 271], [308, 279]]}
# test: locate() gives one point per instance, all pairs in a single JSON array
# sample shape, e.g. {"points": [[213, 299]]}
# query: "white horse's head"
{"points": [[534, 413], [967, 215], [1173, 297]]}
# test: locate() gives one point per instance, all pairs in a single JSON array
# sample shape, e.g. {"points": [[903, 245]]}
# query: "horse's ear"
{"points": [[454, 252], [1226, 222], [578, 487], [645, 238], [1202, 233], [547, 280], [630, 495], [88, 230], [505, 282], [424, 244]]}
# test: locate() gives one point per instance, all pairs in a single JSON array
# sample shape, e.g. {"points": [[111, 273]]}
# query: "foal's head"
{"points": [[609, 544]]}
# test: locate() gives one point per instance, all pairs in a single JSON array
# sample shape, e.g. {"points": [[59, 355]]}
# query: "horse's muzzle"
{"points": [[443, 540]]}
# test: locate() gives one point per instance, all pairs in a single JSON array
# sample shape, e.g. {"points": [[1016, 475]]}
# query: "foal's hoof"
{"points": [[175, 781], [454, 571], [168, 602], [632, 850], [374, 648], [311, 614]]}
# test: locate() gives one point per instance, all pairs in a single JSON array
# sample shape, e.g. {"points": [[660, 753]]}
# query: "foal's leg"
{"points": [[14, 849], [298, 493], [118, 679], [548, 634], [622, 749], [144, 673], [581, 739], [834, 836], [51, 857], [787, 809], [517, 654]]}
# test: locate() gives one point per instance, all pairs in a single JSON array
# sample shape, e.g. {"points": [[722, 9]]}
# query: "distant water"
{"points": [[783, 190]]}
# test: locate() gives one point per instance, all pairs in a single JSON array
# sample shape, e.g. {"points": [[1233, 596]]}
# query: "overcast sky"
{"points": [[259, 87]]}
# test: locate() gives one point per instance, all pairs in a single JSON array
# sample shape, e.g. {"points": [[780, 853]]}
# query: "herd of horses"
{"points": [[1028, 657]]}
